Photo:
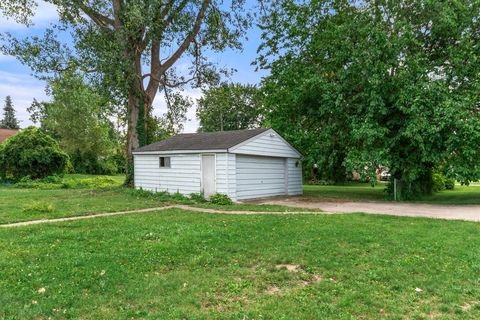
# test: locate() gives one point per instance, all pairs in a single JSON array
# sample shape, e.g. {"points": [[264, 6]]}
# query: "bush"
{"points": [[31, 153], [221, 199], [449, 184], [89, 163], [197, 197], [56, 182], [39, 207], [438, 182]]}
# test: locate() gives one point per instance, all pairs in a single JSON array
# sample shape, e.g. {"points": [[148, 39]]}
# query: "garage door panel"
{"points": [[260, 176]]}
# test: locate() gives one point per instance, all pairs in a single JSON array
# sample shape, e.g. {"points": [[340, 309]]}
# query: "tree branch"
{"points": [[186, 43], [117, 6], [99, 19]]}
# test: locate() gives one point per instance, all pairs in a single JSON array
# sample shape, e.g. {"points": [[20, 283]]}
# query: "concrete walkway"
{"points": [[459, 212], [451, 212], [183, 207]]}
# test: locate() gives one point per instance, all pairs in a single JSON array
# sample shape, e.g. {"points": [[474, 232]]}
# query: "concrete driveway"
{"points": [[451, 212]]}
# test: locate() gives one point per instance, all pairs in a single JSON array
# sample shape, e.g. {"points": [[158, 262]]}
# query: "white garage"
{"points": [[243, 164]]}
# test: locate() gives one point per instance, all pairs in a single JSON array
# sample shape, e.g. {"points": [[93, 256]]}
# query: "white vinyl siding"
{"points": [[269, 144], [263, 166], [260, 177], [294, 177], [183, 175]]}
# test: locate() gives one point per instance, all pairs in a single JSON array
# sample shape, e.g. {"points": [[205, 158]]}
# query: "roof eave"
{"points": [[180, 151]]}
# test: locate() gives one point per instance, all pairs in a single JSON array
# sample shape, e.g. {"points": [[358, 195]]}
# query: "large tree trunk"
{"points": [[135, 118]]}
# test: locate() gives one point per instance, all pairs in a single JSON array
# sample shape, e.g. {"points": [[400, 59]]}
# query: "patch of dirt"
{"points": [[289, 267], [272, 290], [469, 305], [294, 268]]}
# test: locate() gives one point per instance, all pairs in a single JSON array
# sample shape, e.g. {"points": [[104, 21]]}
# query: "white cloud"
{"points": [[45, 13]]}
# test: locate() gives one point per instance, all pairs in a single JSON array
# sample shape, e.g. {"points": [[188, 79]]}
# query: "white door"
{"points": [[208, 174], [259, 177]]}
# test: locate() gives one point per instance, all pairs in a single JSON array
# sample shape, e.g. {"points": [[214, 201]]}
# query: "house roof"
{"points": [[6, 133], [203, 141]]}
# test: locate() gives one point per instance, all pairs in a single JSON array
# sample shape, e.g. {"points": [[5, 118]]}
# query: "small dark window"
{"points": [[164, 162]]}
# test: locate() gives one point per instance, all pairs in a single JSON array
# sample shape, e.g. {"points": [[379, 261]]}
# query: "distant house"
{"points": [[7, 133], [243, 164]]}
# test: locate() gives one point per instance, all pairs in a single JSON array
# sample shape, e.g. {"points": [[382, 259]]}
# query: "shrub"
{"points": [[95, 183], [39, 207], [449, 184], [31, 153], [221, 199], [438, 182], [197, 197]]}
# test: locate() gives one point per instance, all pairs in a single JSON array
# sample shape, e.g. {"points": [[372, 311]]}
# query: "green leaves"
{"points": [[230, 107], [376, 84]]}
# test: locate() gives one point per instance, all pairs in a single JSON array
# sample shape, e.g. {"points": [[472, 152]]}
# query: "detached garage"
{"points": [[244, 164]]}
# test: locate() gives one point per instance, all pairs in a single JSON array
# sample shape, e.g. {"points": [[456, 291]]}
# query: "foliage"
{"points": [[9, 120], [37, 206], [161, 196], [56, 182], [198, 197], [132, 49], [229, 107], [31, 153], [439, 181], [78, 118], [220, 199], [358, 85], [449, 183]]}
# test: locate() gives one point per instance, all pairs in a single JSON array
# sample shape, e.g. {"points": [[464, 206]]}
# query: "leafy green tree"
{"points": [[229, 107], [9, 120], [31, 153], [131, 48], [392, 83], [77, 117]]}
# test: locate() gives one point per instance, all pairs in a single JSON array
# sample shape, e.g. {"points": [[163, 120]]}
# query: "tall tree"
{"points": [[9, 120], [78, 118], [131, 47], [229, 107], [393, 83]]}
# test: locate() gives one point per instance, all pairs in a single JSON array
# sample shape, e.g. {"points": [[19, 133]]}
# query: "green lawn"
{"points": [[70, 202], [364, 192], [179, 265], [17, 204]]}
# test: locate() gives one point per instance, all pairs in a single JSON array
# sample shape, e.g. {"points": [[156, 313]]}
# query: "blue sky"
{"points": [[16, 80]]}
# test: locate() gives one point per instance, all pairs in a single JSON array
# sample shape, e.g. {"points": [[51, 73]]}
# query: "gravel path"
{"points": [[183, 207], [451, 212]]}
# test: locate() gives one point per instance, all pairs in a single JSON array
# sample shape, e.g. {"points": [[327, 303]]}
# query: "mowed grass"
{"points": [[365, 192], [16, 204], [24, 204], [181, 265]]}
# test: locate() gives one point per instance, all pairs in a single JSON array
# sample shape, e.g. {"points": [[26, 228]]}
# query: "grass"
{"points": [[24, 204], [181, 265], [364, 192], [254, 207]]}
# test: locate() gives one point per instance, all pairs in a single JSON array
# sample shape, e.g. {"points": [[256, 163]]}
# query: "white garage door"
{"points": [[260, 177]]}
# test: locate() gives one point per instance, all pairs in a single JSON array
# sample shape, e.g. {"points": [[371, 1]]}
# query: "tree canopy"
{"points": [[356, 85], [130, 49], [229, 107], [9, 120], [78, 118]]}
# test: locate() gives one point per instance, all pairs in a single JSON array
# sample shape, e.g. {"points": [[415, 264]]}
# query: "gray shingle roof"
{"points": [[202, 141]]}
